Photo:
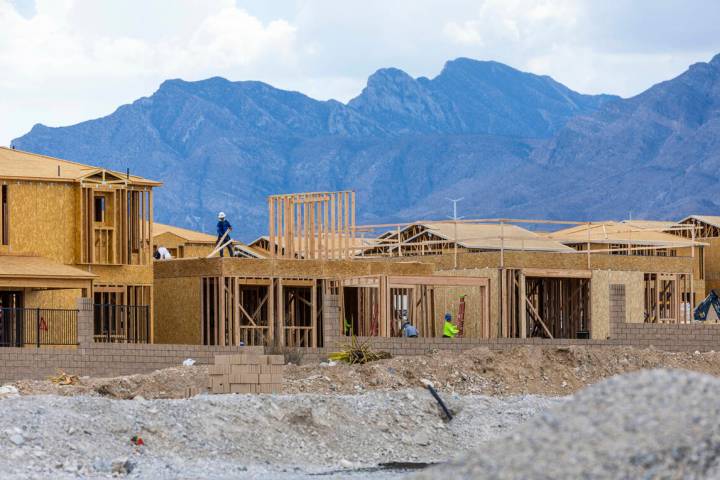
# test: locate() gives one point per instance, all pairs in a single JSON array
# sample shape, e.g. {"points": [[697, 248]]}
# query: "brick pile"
{"points": [[246, 373]]}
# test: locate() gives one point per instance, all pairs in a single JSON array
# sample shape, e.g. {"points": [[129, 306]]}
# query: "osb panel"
{"points": [[710, 285], [642, 264], [66, 299], [198, 250], [121, 274], [168, 240], [43, 219], [600, 299], [574, 261], [712, 259], [177, 311], [188, 267], [286, 268], [490, 273], [701, 289], [447, 300]]}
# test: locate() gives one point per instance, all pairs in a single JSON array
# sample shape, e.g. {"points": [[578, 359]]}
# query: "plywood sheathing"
{"points": [[20, 165], [183, 233], [178, 299], [287, 268], [42, 220], [15, 266], [625, 233], [519, 260], [600, 297], [423, 238]]}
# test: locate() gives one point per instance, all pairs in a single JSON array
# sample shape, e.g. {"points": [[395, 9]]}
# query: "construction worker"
{"points": [[162, 253], [223, 228], [408, 330], [449, 329]]}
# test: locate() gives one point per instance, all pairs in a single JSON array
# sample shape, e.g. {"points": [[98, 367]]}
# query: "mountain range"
{"points": [[510, 143]]}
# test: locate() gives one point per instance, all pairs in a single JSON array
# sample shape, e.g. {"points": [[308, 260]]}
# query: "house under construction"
{"points": [[497, 278]]}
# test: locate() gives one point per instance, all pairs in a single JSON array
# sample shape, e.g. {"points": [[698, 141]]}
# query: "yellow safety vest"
{"points": [[450, 330]]}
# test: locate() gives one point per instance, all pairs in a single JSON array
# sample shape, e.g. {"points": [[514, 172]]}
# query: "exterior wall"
{"points": [[600, 299], [65, 299], [712, 266], [168, 240], [177, 311], [189, 249], [442, 307], [44, 219], [198, 250], [572, 261], [121, 274]]}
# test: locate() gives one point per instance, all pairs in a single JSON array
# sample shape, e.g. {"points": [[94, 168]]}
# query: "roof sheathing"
{"points": [[20, 165]]}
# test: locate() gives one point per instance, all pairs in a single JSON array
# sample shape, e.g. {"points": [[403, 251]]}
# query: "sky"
{"points": [[66, 61]]}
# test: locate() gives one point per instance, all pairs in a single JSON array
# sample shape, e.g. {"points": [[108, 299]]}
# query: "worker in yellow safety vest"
{"points": [[449, 329]]}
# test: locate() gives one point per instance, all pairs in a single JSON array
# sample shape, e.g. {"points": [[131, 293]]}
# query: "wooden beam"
{"points": [[438, 280], [556, 273], [538, 318], [313, 315]]}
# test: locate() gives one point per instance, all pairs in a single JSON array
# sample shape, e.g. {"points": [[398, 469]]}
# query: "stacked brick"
{"points": [[246, 373]]}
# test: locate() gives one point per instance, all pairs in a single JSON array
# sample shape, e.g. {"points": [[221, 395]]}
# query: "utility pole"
{"points": [[455, 218]]}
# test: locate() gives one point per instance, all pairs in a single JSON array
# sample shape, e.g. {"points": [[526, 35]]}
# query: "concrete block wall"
{"points": [[102, 359], [98, 359]]}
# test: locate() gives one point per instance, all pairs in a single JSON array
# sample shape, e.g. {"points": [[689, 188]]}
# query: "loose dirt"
{"points": [[523, 370]]}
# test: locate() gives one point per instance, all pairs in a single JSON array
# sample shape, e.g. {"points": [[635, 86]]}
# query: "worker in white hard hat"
{"points": [[223, 233]]}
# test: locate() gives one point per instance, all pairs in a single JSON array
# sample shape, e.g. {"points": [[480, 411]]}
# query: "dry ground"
{"points": [[523, 370]]}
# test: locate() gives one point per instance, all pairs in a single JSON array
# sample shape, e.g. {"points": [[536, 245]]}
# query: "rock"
{"points": [[344, 463], [17, 439], [9, 391], [121, 466], [100, 465]]}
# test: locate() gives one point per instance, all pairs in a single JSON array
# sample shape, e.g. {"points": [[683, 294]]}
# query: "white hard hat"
{"points": [[221, 215]]}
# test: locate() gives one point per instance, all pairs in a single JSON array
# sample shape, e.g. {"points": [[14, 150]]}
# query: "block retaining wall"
{"points": [[98, 359]]}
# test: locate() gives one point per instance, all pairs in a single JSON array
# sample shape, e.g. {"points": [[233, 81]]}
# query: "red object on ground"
{"points": [[137, 440]]}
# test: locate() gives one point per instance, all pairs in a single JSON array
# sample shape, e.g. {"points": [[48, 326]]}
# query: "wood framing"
{"points": [[317, 225], [92, 219], [668, 298]]}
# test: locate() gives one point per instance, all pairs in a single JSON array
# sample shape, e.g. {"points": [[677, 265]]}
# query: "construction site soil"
{"points": [[375, 421], [520, 371]]}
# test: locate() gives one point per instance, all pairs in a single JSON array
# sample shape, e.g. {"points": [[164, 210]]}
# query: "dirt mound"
{"points": [[523, 370], [649, 424], [167, 383]]}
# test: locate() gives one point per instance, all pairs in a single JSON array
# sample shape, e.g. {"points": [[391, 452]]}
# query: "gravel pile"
{"points": [[253, 436], [650, 424]]}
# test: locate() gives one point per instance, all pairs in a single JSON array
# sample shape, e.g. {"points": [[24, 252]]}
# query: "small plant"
{"points": [[357, 352]]}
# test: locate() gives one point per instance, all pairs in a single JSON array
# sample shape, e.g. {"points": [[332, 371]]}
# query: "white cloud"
{"points": [[63, 56], [65, 61], [467, 33]]}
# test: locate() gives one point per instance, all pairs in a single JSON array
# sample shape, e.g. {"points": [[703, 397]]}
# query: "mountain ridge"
{"points": [[512, 143]]}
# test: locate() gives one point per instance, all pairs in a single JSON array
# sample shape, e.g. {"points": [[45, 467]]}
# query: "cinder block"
{"points": [[272, 368], [248, 360], [270, 378], [269, 388], [239, 369], [222, 359], [275, 360], [219, 369], [243, 388], [244, 378], [220, 385]]}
